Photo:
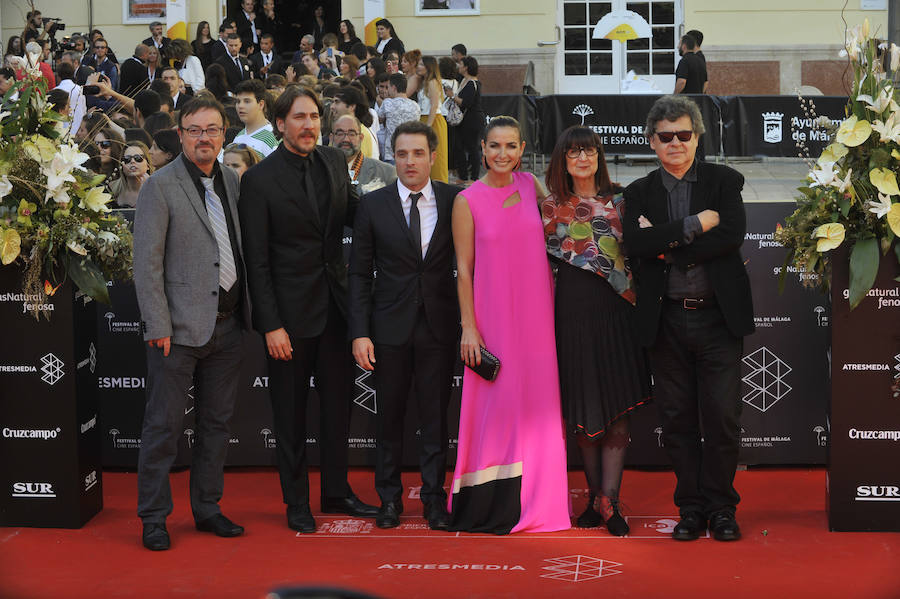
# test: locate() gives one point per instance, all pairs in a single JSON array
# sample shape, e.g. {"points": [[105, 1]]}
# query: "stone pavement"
{"points": [[766, 179]]}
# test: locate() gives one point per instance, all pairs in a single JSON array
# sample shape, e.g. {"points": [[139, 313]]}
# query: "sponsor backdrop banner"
{"points": [[863, 473], [784, 388], [50, 474], [773, 125]]}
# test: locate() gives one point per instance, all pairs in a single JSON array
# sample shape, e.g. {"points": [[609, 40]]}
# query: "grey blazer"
{"points": [[176, 256], [373, 169]]}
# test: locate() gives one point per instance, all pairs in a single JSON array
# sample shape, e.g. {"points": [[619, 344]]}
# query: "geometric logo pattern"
{"points": [[92, 355], [765, 379], [895, 388], [579, 568], [366, 397], [52, 367]]}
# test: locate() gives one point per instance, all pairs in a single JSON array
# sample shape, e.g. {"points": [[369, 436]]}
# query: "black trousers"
{"points": [[469, 133], [217, 366], [427, 364], [328, 359], [696, 366]]}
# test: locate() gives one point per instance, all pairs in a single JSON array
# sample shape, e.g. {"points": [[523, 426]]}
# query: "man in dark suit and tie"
{"points": [[405, 323], [266, 60], [684, 226], [295, 204], [248, 25], [190, 283], [220, 47], [237, 68]]}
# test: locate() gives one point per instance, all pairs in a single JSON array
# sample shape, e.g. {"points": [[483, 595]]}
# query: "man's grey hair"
{"points": [[349, 116], [141, 50], [154, 24], [308, 38], [672, 108], [73, 56]]}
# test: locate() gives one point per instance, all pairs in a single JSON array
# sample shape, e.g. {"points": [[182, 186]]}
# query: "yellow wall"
{"points": [[107, 18], [502, 25], [776, 22]]}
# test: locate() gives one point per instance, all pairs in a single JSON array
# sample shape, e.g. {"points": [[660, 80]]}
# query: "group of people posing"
{"points": [[649, 278]]}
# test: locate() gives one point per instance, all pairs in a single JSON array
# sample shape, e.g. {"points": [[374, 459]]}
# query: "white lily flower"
{"points": [[842, 185], [108, 236], [5, 187], [881, 207], [59, 195], [884, 100], [70, 154], [888, 130], [56, 178], [823, 176]]}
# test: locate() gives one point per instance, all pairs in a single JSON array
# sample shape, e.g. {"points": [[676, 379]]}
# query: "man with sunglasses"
{"points": [[101, 62], [684, 226], [191, 289]]}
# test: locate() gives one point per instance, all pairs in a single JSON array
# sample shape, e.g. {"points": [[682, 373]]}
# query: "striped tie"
{"points": [[227, 270]]}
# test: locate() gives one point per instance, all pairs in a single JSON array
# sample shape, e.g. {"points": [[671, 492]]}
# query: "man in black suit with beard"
{"points": [[237, 68], [684, 226], [294, 206], [405, 323]]}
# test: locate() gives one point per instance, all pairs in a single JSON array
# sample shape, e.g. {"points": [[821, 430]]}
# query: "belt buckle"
{"points": [[690, 303]]}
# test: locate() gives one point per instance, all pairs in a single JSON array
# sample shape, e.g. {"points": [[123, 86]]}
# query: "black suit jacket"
{"points": [[163, 50], [276, 66], [385, 307], [217, 50], [231, 71], [718, 250], [295, 261], [394, 45], [133, 77], [245, 29]]}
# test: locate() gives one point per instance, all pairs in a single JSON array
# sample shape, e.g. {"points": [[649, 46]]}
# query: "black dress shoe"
{"points": [[300, 518], [220, 526], [437, 516], [589, 518], [155, 537], [612, 517], [351, 506], [690, 528], [389, 515], [724, 527]]}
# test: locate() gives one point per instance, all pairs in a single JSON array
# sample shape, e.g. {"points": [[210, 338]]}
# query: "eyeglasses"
{"points": [[574, 153], [342, 133], [99, 47], [198, 132], [237, 147], [668, 136], [105, 144], [136, 158]]}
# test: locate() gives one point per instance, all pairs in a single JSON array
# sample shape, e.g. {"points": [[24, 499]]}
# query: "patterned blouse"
{"points": [[587, 233]]}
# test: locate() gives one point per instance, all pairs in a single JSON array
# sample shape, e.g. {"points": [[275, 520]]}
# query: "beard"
{"points": [[349, 150]]}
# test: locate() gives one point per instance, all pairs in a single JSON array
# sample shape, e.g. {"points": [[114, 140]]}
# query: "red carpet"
{"points": [[787, 551]]}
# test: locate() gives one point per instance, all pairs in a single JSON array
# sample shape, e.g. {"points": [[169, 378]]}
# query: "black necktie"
{"points": [[237, 63], [415, 223]]}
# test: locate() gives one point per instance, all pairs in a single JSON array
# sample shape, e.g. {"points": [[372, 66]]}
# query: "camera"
{"points": [[66, 43], [58, 25]]}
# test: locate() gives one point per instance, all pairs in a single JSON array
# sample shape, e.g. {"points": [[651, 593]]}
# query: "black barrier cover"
{"points": [[50, 474], [784, 387], [863, 471], [773, 125], [619, 120]]}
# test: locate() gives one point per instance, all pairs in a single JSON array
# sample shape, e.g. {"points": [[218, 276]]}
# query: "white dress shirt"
{"points": [[428, 212], [252, 26], [77, 105]]}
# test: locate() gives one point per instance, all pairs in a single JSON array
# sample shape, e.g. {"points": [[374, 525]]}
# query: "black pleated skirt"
{"points": [[603, 370]]}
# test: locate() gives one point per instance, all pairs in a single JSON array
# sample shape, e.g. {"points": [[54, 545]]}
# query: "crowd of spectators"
{"points": [[123, 113]]}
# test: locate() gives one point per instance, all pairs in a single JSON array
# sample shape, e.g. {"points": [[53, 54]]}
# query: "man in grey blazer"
{"points": [[366, 174], [190, 282]]}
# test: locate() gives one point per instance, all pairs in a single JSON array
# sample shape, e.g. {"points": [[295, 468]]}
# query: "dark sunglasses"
{"points": [[105, 144], [138, 159], [668, 136], [100, 47]]}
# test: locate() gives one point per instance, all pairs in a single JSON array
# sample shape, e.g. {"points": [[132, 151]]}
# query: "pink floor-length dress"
{"points": [[511, 463]]}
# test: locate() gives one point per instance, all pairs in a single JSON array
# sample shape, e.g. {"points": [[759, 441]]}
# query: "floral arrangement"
{"points": [[851, 197], [54, 218]]}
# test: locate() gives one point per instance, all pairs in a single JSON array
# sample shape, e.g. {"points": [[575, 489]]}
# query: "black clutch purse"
{"points": [[489, 367]]}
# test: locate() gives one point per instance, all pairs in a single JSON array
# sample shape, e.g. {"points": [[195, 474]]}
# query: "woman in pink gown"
{"points": [[511, 463]]}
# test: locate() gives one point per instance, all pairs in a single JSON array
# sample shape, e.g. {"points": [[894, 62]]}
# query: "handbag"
{"points": [[454, 114], [489, 367]]}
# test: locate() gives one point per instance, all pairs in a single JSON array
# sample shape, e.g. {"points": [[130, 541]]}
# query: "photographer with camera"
{"points": [[36, 27]]}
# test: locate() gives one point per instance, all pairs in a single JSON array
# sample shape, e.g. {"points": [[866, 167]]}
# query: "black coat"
{"points": [[245, 30], [276, 66], [217, 50], [394, 45], [718, 250], [385, 308], [162, 50], [133, 77], [294, 261], [234, 75]]}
